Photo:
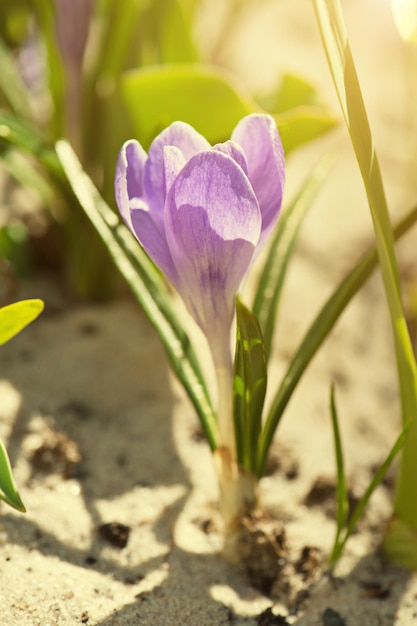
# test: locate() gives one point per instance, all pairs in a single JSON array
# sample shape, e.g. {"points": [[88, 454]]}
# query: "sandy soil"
{"points": [[99, 432]]}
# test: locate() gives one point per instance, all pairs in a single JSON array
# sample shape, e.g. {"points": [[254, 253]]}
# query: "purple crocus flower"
{"points": [[202, 213]]}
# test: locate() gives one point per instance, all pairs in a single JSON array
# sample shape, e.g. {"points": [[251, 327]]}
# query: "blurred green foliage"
{"points": [[97, 72]]}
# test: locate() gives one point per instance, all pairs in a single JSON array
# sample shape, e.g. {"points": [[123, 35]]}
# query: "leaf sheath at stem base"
{"points": [[238, 497]]}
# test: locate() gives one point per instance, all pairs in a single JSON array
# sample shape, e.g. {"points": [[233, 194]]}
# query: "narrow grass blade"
{"points": [[268, 293], [26, 172], [146, 284], [45, 13], [14, 131], [342, 502], [249, 385], [8, 491], [376, 480], [318, 332], [330, 19], [12, 85]]}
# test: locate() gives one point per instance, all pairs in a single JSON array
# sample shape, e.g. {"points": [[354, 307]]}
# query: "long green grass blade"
{"points": [[146, 284], [8, 491], [268, 293], [342, 502], [318, 332], [341, 63]]}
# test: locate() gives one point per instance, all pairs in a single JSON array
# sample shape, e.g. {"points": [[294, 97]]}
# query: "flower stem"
{"points": [[224, 375], [237, 486]]}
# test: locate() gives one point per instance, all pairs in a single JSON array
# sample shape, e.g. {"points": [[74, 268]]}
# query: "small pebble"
{"points": [[115, 533], [332, 618]]}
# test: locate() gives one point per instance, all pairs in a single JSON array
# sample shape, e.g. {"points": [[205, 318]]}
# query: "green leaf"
{"points": [[27, 174], [268, 293], [209, 99], [147, 285], [339, 56], [249, 385], [302, 124], [15, 131], [363, 502], [118, 22], [8, 491], [293, 92], [176, 42], [300, 115], [342, 500], [14, 317], [317, 333], [12, 85], [14, 21], [45, 13]]}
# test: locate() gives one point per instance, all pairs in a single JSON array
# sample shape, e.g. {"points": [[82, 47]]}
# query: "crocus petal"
{"points": [[257, 134], [235, 151], [188, 141], [153, 241], [174, 161], [212, 224], [129, 174]]}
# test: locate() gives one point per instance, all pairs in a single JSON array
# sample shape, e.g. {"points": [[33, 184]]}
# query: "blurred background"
{"points": [[97, 72]]}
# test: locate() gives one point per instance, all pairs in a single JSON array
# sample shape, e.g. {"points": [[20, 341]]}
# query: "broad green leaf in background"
{"points": [[212, 101], [293, 91], [14, 317], [209, 99], [303, 124], [335, 40], [298, 111], [8, 491], [249, 385]]}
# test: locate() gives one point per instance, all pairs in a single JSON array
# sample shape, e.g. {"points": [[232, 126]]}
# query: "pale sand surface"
{"points": [[99, 375]]}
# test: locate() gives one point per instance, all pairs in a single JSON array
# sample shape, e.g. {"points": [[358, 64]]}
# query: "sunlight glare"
{"points": [[405, 17]]}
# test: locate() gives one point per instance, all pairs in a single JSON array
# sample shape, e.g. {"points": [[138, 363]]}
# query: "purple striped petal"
{"points": [[188, 141], [234, 151], [258, 136], [154, 242], [213, 224], [128, 180]]}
